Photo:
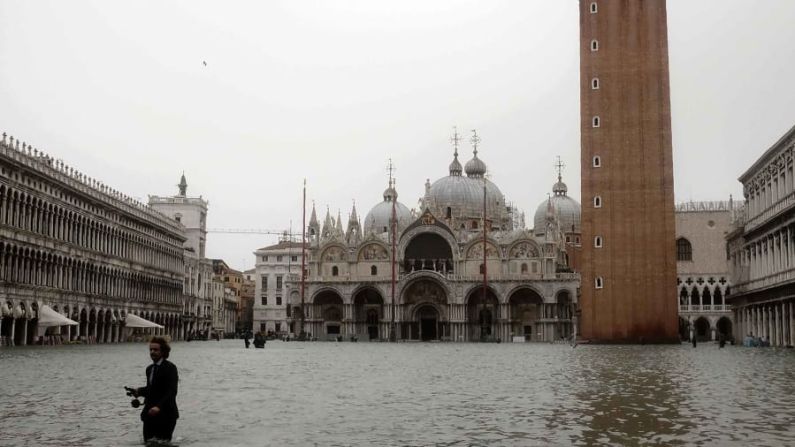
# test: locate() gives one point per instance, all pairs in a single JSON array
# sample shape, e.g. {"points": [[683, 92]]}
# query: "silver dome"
{"points": [[464, 195], [566, 209], [380, 216], [475, 167], [455, 166]]}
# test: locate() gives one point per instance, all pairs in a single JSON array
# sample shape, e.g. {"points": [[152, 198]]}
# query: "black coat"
{"points": [[162, 392]]}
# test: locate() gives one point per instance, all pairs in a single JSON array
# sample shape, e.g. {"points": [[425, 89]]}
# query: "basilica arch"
{"points": [[428, 251], [483, 313], [525, 308], [424, 310], [368, 313], [327, 313]]}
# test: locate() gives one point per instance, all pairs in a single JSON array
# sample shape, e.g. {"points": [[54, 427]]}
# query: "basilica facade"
{"points": [[463, 267]]}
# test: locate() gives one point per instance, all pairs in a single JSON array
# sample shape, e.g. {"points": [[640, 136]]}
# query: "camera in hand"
{"points": [[131, 392]]}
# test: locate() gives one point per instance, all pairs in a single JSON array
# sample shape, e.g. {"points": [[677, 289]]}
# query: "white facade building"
{"points": [[703, 279], [191, 212], [275, 267]]}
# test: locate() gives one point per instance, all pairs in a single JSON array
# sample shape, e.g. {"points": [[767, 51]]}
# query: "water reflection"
{"points": [[298, 394], [635, 400]]}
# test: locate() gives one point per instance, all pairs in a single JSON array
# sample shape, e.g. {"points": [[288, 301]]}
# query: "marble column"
{"points": [[24, 332], [11, 341], [791, 324]]}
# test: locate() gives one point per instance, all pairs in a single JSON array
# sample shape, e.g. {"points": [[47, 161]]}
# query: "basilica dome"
{"points": [[459, 197], [380, 216], [465, 193], [566, 209]]}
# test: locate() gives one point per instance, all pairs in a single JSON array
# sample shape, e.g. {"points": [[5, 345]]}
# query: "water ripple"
{"points": [[304, 394]]}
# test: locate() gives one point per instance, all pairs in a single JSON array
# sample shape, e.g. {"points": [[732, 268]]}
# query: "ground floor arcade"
{"points": [[425, 310], [773, 321], [97, 322]]}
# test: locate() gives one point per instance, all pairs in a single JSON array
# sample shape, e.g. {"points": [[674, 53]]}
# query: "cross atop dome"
{"points": [[475, 140], [560, 188], [455, 139], [559, 164]]}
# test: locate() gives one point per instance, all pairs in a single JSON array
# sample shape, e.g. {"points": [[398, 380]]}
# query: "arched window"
{"points": [[695, 297], [595, 121], [449, 212], [482, 269], [684, 251], [599, 283], [595, 84], [594, 45], [718, 297], [597, 202], [524, 268], [597, 161], [706, 297], [597, 242], [373, 270], [594, 8], [335, 271]]}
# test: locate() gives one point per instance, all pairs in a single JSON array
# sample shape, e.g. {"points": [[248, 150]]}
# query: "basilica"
{"points": [[463, 267]]}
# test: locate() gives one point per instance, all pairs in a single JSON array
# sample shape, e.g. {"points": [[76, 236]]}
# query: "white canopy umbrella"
{"points": [[49, 317], [132, 320]]}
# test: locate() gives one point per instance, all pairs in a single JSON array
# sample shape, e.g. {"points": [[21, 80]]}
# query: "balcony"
{"points": [[704, 308], [782, 205], [779, 278]]}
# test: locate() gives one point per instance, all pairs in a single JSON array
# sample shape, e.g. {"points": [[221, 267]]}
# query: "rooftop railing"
{"points": [[58, 170]]}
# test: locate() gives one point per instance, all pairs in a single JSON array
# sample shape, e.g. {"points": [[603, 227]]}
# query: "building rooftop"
{"points": [[283, 245]]}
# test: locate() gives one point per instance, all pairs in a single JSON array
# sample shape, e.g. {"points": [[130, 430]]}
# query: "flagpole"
{"points": [[302, 334], [392, 334], [485, 265]]}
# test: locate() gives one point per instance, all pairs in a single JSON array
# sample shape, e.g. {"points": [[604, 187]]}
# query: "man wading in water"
{"points": [[160, 411]]}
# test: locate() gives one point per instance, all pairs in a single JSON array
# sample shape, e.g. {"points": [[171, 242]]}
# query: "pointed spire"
{"points": [[183, 186], [328, 225], [313, 219], [339, 222], [353, 217]]}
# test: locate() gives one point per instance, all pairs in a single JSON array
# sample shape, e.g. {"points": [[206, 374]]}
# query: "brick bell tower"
{"points": [[629, 264]]}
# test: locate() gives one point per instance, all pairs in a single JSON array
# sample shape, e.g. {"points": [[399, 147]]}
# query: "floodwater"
{"points": [[448, 394]]}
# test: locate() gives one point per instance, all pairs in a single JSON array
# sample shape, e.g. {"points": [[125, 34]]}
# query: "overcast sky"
{"points": [[329, 91]]}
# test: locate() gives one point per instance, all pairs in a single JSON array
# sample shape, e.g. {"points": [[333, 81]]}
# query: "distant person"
{"points": [[694, 340], [160, 412]]}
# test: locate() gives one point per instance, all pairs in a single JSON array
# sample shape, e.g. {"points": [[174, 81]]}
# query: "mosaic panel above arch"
{"points": [[333, 254], [524, 250], [424, 291], [373, 252], [476, 251]]}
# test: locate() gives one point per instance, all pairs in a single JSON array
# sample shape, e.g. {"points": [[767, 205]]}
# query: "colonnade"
{"points": [[766, 193], [775, 321], [455, 322], [773, 253], [57, 221], [19, 325]]}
